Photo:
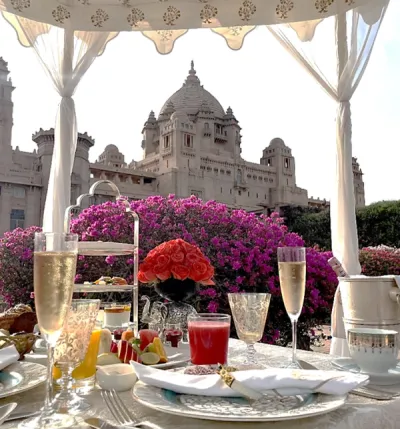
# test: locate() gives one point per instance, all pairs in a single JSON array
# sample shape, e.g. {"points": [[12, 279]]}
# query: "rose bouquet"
{"points": [[176, 259]]}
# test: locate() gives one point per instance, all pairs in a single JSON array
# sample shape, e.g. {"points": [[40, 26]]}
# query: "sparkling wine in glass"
{"points": [[54, 270], [292, 277]]}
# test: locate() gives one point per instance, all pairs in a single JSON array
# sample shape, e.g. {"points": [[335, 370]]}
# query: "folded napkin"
{"points": [[284, 381], [8, 355]]}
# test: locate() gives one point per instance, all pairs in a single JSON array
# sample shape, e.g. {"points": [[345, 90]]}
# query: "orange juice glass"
{"points": [[85, 374]]}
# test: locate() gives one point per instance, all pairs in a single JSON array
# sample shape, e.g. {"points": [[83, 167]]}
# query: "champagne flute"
{"points": [[292, 277], [54, 268]]}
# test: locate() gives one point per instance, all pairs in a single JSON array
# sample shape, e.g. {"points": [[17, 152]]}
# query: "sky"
{"points": [[270, 93]]}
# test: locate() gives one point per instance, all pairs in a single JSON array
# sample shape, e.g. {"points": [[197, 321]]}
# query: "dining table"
{"points": [[358, 412]]}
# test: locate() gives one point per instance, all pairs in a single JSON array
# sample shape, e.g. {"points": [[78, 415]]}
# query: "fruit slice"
{"points": [[107, 359], [150, 358], [159, 349], [127, 335], [126, 352], [114, 347], [146, 337]]}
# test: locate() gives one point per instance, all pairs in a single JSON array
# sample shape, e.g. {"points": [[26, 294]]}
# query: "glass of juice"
{"points": [[85, 374], [208, 338]]}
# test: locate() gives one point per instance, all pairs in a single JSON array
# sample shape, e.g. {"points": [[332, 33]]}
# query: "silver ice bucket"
{"points": [[371, 302]]}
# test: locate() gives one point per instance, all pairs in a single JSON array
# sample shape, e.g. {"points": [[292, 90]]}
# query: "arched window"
{"points": [[206, 126]]}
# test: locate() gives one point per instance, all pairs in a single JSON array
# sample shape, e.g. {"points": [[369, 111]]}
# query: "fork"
{"points": [[120, 413]]}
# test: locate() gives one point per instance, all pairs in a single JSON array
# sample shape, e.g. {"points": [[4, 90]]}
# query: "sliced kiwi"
{"points": [[150, 358]]}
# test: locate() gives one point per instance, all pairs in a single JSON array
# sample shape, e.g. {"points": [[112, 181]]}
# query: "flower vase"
{"points": [[177, 311]]}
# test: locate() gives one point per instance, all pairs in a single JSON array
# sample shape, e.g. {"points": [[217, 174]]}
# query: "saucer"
{"points": [[381, 379]]}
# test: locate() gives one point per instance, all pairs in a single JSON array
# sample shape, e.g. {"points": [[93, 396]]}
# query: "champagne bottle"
{"points": [[337, 267]]}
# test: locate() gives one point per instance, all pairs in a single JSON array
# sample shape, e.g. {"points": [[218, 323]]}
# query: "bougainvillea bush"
{"points": [[382, 260], [241, 246]]}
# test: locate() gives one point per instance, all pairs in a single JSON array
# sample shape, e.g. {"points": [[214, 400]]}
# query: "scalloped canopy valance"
{"points": [[170, 15]]}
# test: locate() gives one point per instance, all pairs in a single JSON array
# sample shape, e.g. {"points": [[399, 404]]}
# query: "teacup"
{"points": [[373, 350]]}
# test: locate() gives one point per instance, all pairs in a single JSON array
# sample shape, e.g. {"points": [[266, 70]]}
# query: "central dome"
{"points": [[192, 98]]}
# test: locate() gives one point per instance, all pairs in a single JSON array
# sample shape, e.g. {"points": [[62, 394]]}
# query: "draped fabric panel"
{"points": [[339, 70], [66, 56]]}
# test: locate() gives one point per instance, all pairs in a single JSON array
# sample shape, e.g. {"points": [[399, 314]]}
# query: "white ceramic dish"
{"points": [[120, 377], [176, 356], [267, 409], [385, 379], [21, 376]]}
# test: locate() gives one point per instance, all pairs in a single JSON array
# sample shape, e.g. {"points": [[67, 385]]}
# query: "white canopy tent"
{"points": [[332, 39]]}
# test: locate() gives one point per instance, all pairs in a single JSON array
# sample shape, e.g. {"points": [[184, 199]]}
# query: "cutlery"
{"points": [[94, 422], [120, 413], [367, 392], [99, 423], [6, 410], [22, 415]]}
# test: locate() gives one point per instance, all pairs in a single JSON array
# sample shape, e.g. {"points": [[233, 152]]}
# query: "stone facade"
{"points": [[192, 148]]}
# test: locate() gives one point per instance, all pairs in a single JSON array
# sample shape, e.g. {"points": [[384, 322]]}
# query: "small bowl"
{"points": [[119, 377], [373, 350]]}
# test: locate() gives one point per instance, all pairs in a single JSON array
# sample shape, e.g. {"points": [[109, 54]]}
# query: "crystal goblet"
{"points": [[70, 352], [249, 312]]}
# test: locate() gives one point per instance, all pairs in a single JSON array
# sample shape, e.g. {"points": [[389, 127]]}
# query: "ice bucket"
{"points": [[372, 302]]}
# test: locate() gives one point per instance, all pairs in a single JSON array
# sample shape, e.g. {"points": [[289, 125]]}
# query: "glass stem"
{"points": [[294, 340], [67, 393], [47, 409], [250, 355]]}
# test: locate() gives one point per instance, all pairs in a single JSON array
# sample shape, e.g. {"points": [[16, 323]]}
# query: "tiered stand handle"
{"points": [[100, 252]]}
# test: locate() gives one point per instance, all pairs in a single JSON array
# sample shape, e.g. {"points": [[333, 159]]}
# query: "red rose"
{"points": [[193, 257], [209, 274], [187, 247], [177, 257], [180, 272], [161, 264], [198, 271], [146, 273], [164, 275]]}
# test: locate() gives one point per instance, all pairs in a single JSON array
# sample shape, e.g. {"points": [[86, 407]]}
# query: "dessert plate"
{"points": [[21, 376], [382, 379], [267, 409], [176, 356]]}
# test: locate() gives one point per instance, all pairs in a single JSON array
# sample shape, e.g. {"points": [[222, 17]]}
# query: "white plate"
{"points": [[100, 248], [268, 408], [385, 379], [176, 356], [102, 288], [21, 376]]}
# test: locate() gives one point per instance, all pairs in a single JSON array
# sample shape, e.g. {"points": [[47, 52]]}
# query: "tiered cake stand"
{"points": [[104, 249]]}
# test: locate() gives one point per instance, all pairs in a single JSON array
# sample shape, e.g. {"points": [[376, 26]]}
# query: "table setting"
{"points": [[185, 370]]}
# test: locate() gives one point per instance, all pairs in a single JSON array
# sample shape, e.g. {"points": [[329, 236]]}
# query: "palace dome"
{"points": [[192, 98]]}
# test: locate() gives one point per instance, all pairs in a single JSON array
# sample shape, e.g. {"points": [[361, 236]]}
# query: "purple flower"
{"points": [[213, 306]]}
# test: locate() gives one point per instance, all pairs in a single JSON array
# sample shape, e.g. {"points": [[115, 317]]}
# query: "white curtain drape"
{"points": [[66, 56], [339, 73]]}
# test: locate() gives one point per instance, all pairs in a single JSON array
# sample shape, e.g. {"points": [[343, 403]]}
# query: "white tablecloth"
{"points": [[358, 413]]}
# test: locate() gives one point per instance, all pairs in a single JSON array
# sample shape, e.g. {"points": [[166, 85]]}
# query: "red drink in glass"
{"points": [[208, 338]]}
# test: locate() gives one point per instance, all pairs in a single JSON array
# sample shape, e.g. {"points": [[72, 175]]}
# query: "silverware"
{"points": [[372, 394], [305, 365], [120, 413], [22, 415], [6, 410], [99, 423]]}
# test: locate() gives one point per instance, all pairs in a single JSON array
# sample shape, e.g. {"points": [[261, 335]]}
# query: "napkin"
{"points": [[284, 381], [8, 355]]}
